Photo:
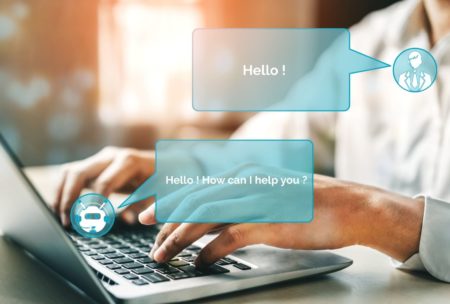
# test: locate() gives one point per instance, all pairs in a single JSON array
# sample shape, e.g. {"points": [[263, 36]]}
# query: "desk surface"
{"points": [[371, 279]]}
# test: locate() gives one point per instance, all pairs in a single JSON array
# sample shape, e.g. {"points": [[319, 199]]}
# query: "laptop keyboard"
{"points": [[127, 255]]}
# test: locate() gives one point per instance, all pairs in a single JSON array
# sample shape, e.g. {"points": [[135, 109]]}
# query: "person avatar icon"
{"points": [[414, 80], [415, 70]]}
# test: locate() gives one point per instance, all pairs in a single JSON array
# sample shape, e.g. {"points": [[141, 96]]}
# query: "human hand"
{"points": [[239, 198], [344, 214], [112, 169]]}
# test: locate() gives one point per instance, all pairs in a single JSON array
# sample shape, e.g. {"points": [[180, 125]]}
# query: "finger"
{"points": [[79, 172], [187, 207], [147, 217], [202, 213], [251, 208], [174, 237], [200, 192], [232, 238], [130, 214], [59, 191], [163, 234], [183, 236], [172, 200], [73, 185], [179, 209], [115, 176]]}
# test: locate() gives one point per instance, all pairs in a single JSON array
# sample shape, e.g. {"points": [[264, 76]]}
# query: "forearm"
{"points": [[392, 223]]}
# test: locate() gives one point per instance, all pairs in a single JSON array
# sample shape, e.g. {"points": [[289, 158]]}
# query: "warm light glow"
{"points": [[145, 59]]}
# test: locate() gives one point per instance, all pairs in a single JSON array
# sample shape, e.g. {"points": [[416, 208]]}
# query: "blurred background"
{"points": [[76, 75]]}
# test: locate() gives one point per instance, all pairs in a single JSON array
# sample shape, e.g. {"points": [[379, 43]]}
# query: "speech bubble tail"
{"points": [[360, 62], [129, 201], [144, 191]]}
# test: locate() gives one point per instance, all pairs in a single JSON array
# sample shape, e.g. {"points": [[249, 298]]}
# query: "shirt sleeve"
{"points": [[434, 247]]}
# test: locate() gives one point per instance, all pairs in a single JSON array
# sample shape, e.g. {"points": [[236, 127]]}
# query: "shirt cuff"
{"points": [[434, 247]]}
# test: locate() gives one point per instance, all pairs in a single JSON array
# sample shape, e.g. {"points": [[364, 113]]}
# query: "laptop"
{"points": [[116, 268]]}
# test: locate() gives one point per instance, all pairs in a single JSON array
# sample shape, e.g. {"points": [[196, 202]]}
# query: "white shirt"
{"points": [[389, 137]]}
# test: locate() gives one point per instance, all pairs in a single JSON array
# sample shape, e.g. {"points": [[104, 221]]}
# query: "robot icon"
{"points": [[92, 219], [92, 215]]}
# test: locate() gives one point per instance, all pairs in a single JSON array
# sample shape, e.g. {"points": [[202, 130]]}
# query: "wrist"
{"points": [[391, 223]]}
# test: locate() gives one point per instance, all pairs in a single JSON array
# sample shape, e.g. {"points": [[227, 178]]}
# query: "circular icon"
{"points": [[92, 215], [415, 70]]}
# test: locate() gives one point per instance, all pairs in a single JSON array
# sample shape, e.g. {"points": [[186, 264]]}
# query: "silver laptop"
{"points": [[116, 268]]}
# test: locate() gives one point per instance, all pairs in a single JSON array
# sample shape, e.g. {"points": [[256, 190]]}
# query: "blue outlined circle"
{"points": [[415, 70], [92, 215]]}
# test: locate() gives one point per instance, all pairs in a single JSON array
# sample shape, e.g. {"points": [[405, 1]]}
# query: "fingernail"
{"points": [[152, 251], [145, 217], [63, 219], [141, 217]]}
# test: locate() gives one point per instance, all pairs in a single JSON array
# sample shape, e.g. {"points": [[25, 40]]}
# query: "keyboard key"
{"points": [[107, 238], [132, 265], [242, 266], [190, 259], [113, 266], [121, 271], [145, 248], [142, 270], [140, 282], [114, 256], [178, 263], [229, 260], [99, 246], [120, 246], [178, 275], [215, 269], [123, 261], [105, 262], [193, 248], [90, 253], [184, 255], [145, 260], [137, 255], [167, 269], [106, 251], [83, 249], [130, 276], [91, 242], [221, 263], [111, 242], [191, 271], [155, 265], [129, 250], [97, 257], [155, 278]]}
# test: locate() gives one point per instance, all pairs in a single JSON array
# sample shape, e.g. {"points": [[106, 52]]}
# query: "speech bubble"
{"points": [[275, 69], [225, 181]]}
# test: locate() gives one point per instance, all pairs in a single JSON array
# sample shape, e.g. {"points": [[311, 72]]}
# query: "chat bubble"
{"points": [[229, 181], [275, 69]]}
